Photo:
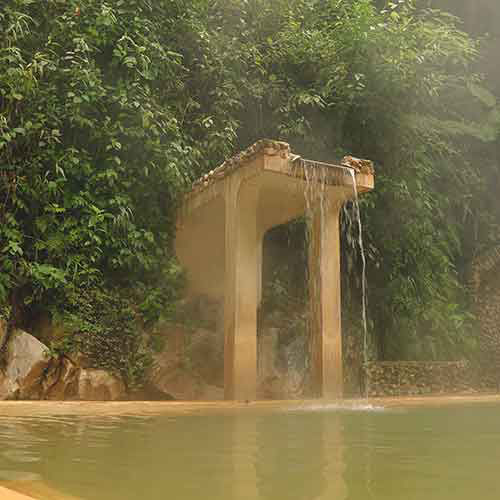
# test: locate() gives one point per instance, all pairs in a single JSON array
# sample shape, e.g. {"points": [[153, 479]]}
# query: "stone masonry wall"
{"points": [[404, 378], [485, 287]]}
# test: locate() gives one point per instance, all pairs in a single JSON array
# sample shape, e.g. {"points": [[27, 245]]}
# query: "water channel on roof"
{"points": [[284, 452]]}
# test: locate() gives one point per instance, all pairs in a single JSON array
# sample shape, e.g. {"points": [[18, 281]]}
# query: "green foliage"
{"points": [[103, 326], [108, 109], [92, 153]]}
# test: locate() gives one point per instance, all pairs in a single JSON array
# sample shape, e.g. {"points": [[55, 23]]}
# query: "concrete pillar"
{"points": [[326, 335], [260, 256], [241, 294]]}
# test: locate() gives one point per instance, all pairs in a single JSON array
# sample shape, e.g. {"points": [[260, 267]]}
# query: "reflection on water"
{"points": [[417, 454]]}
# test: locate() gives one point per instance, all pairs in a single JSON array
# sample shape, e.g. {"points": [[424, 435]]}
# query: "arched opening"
{"points": [[282, 340]]}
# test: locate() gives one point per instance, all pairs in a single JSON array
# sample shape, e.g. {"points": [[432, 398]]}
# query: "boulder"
{"points": [[148, 392], [30, 373], [212, 393], [80, 359], [8, 390], [99, 385], [171, 376], [61, 380], [3, 332], [271, 387], [267, 346], [176, 381], [205, 354], [192, 369], [282, 364], [26, 361], [296, 367]]}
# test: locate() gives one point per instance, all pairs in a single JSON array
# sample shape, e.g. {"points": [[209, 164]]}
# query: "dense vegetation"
{"points": [[108, 109]]}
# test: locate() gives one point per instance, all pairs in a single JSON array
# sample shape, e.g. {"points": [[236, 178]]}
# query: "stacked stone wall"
{"points": [[406, 378], [485, 285]]}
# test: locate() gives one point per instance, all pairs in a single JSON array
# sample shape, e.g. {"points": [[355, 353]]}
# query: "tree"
{"points": [[109, 109]]}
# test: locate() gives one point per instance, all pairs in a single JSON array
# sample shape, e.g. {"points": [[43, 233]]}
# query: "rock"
{"points": [[190, 366], [205, 354], [172, 378], [212, 393], [272, 387], [8, 390], [3, 332], [282, 360], [51, 375], [99, 385], [79, 359], [296, 358], [148, 392], [61, 381], [204, 311], [358, 164], [267, 345], [26, 362]]}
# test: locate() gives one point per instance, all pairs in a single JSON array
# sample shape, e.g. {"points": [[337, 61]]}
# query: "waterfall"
{"points": [[357, 214], [316, 175]]}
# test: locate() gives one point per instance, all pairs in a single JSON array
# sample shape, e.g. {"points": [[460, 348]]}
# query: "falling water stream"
{"points": [[357, 214], [316, 179]]}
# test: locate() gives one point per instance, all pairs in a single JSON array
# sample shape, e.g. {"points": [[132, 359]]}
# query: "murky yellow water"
{"points": [[277, 451]]}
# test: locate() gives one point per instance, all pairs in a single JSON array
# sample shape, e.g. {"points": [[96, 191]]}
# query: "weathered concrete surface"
{"points": [[229, 211]]}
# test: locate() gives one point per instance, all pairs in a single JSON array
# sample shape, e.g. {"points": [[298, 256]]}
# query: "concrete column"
{"points": [[260, 256], [240, 302], [326, 335]]}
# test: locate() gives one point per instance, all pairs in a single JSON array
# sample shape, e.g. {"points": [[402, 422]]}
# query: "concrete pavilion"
{"points": [[220, 231]]}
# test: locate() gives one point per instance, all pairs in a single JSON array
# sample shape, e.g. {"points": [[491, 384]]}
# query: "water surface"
{"points": [[284, 453]]}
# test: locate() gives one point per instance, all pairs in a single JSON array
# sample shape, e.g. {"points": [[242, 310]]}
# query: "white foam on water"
{"points": [[338, 406]]}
